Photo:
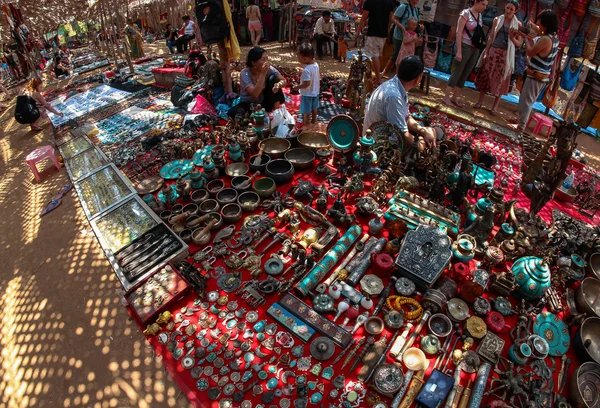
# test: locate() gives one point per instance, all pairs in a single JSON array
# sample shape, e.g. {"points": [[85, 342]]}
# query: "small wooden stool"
{"points": [[39, 154]]}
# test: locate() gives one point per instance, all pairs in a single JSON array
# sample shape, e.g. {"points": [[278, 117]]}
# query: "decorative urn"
{"points": [[532, 274]]}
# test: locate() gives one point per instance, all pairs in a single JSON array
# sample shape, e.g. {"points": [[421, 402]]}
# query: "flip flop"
{"points": [[66, 188], [51, 206]]}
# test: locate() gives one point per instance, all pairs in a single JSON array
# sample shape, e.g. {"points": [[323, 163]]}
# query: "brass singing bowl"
{"points": [[236, 169], [264, 187], [587, 297], [374, 325], [593, 265], [313, 140], [300, 157], [275, 147], [584, 386], [587, 340]]}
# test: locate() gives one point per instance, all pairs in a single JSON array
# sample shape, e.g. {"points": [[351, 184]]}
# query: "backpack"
{"points": [[478, 38], [212, 22], [26, 110]]}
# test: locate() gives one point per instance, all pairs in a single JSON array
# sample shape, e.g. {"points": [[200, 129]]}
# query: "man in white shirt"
{"points": [[325, 31], [188, 35]]}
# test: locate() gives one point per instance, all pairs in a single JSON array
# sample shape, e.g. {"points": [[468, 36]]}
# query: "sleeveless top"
{"points": [[501, 40], [543, 65]]}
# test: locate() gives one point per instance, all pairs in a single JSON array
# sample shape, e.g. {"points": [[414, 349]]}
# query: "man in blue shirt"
{"points": [[389, 103], [400, 17]]}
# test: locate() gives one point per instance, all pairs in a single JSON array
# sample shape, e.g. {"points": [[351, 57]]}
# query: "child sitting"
{"points": [[410, 40], [309, 83]]}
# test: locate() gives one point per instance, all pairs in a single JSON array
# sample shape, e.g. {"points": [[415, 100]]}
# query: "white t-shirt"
{"points": [[189, 28], [311, 73]]}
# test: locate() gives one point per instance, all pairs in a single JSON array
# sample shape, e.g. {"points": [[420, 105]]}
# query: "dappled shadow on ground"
{"points": [[65, 338]]}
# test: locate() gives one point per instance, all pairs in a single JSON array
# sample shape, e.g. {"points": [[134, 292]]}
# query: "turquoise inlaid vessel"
{"points": [[533, 276], [329, 260]]}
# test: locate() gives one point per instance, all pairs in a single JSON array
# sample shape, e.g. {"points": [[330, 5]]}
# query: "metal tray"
{"points": [[102, 189], [85, 163], [114, 220], [74, 147]]}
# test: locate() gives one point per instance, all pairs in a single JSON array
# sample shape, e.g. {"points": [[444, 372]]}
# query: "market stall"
{"points": [[323, 268]]}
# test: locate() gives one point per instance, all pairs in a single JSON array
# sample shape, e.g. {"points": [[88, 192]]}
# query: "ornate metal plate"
{"points": [[201, 154], [554, 331], [424, 255], [388, 378], [383, 132], [343, 133], [372, 285], [176, 169], [149, 185], [322, 348], [491, 347]]}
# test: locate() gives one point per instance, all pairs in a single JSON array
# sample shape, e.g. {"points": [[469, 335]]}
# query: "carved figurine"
{"points": [[304, 189], [464, 183], [340, 176], [339, 214], [482, 228], [323, 198], [365, 157]]}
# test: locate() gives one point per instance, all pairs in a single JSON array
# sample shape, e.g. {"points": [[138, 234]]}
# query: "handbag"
{"points": [[551, 94], [478, 38], [444, 58], [429, 56], [569, 77]]}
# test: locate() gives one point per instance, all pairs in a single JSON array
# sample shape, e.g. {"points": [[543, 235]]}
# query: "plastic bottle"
{"points": [[568, 181]]}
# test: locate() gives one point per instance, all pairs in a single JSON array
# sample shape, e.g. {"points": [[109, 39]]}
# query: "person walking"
{"points": [[400, 18], [377, 15], [134, 37], [466, 53], [498, 60], [254, 22], [541, 47]]}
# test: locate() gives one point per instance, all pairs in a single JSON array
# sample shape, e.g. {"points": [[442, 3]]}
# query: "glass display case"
{"points": [[101, 189], [135, 241], [74, 147], [85, 163]]}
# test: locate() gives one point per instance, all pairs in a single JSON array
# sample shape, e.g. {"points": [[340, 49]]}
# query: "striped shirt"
{"points": [[543, 65]]}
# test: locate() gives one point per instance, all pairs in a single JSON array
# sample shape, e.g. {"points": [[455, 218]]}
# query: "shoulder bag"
{"points": [[478, 38], [445, 57], [569, 77]]}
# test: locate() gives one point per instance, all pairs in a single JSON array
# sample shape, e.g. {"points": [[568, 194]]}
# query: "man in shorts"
{"points": [[376, 14]]}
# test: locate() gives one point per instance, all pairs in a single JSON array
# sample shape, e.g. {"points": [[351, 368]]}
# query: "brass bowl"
{"points": [[566, 196], [593, 265], [587, 340], [374, 325], [226, 196], [199, 196], [584, 386], [301, 157], [199, 237], [275, 147], [587, 295], [313, 140], [165, 215], [259, 163], [236, 169], [231, 213], [440, 325], [214, 186], [186, 235], [219, 221], [192, 222], [191, 209], [209, 206], [265, 187], [237, 183], [248, 201], [177, 209], [281, 171]]}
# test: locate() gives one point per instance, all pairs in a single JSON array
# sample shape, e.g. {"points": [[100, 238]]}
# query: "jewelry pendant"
{"points": [[304, 364], [327, 373], [316, 369], [316, 398]]}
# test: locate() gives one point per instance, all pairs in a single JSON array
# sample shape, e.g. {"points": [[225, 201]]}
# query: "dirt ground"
{"points": [[65, 338]]}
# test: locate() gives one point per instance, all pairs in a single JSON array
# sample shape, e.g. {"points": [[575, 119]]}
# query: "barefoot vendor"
{"points": [[389, 103]]}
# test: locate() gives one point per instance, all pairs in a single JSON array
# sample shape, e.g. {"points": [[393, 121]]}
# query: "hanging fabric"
{"points": [[596, 58], [429, 56], [580, 7], [564, 28], [562, 4], [445, 56], [591, 40], [594, 8], [546, 4], [576, 45], [570, 75], [595, 88]]}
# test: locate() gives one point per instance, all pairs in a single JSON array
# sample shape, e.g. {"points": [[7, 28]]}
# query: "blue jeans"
{"points": [[172, 45]]}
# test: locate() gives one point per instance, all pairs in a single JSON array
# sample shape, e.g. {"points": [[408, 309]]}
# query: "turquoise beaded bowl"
{"points": [[533, 276]]}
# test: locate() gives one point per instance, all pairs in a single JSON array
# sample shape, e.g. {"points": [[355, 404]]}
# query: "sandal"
{"points": [[457, 104], [51, 206], [36, 129], [493, 112], [477, 105]]}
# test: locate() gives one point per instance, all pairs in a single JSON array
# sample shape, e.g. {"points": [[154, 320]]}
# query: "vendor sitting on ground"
{"points": [[389, 103], [259, 83], [60, 69]]}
